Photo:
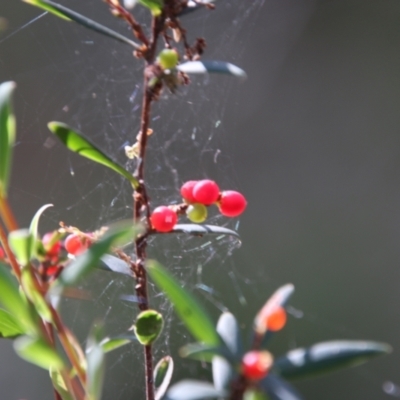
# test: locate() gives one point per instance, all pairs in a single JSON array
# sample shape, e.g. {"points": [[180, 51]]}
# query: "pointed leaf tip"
{"points": [[70, 15], [186, 306], [77, 143], [327, 356], [219, 67]]}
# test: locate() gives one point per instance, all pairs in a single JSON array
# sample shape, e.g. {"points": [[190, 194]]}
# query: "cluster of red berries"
{"points": [[74, 244], [199, 195]]}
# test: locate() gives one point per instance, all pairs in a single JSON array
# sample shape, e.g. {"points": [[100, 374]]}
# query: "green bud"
{"points": [[168, 58], [148, 326], [197, 212]]}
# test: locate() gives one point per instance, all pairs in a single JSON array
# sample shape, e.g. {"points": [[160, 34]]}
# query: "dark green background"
{"points": [[312, 139]]}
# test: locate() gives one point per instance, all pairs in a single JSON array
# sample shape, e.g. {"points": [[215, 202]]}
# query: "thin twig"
{"points": [[7, 216]]}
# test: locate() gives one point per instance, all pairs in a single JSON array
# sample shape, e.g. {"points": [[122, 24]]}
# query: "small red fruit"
{"points": [[256, 364], [2, 253], [163, 219], [231, 203], [276, 320], [54, 250], [206, 192], [76, 244], [187, 191]]}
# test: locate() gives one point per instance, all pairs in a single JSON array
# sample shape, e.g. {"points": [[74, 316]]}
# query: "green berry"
{"points": [[168, 58], [197, 212]]}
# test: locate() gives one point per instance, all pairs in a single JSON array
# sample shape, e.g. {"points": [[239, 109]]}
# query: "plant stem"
{"points": [[10, 255], [7, 216], [69, 349]]}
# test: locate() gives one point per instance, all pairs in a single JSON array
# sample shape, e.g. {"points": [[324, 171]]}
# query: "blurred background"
{"points": [[312, 138]]}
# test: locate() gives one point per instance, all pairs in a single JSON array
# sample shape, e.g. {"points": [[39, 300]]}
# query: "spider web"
{"points": [[94, 85]]}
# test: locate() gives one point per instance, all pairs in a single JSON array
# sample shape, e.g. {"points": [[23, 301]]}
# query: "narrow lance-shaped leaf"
{"points": [[200, 230], [219, 67], [7, 135], [109, 344], [204, 352], [278, 389], [95, 364], [70, 15], [114, 264], [327, 356], [34, 226], [188, 309], [193, 390], [38, 352], [228, 329], [87, 261], [75, 142]]}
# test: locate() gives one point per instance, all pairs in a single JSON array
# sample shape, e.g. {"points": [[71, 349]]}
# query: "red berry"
{"points": [[54, 251], [163, 219], [256, 364], [206, 192], [2, 253], [187, 191], [276, 320], [76, 244], [231, 203]]}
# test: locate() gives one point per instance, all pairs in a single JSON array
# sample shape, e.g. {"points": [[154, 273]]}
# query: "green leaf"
{"points": [[95, 364], [278, 389], [75, 142], [90, 259], [155, 6], [59, 384], [70, 15], [188, 309], [327, 356], [222, 372], [22, 245], [12, 300], [38, 352], [34, 295], [203, 67], [254, 394], [109, 344], [201, 352], [229, 331], [33, 228], [114, 264], [9, 326], [162, 376], [7, 135], [47, 7], [200, 230], [148, 326], [194, 390]]}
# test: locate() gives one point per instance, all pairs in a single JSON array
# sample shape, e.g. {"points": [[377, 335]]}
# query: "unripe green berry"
{"points": [[168, 58], [197, 212]]}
